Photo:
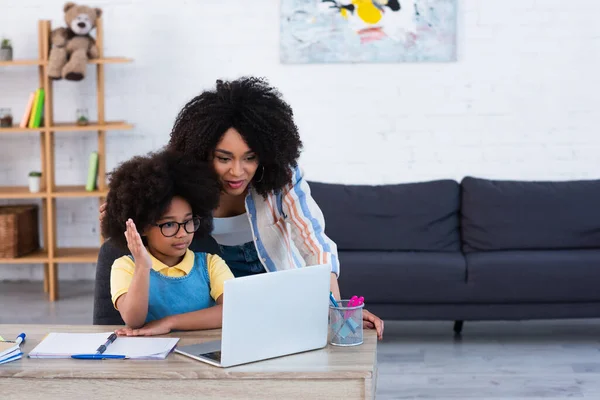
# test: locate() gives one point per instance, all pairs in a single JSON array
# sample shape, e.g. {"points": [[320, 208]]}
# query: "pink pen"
{"points": [[353, 302]]}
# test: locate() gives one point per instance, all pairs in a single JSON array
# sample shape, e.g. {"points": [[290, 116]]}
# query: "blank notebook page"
{"points": [[61, 345]]}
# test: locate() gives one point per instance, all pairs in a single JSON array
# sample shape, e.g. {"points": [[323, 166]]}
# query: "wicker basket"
{"points": [[19, 232]]}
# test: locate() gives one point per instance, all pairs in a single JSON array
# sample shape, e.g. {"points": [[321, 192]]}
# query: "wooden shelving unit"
{"points": [[50, 255]]}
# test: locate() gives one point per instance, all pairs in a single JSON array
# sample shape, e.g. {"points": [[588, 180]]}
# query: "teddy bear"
{"points": [[73, 45]]}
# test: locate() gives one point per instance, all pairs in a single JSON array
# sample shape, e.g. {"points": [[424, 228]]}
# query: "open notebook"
{"points": [[64, 345]]}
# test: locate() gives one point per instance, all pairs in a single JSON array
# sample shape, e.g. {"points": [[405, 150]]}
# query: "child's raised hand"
{"points": [[136, 246]]}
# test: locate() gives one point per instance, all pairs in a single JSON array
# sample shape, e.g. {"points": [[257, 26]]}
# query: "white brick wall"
{"points": [[521, 102]]}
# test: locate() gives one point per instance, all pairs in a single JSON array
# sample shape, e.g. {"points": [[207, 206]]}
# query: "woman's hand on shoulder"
{"points": [[102, 211]]}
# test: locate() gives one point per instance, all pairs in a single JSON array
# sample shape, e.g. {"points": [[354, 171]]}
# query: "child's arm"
{"points": [[208, 318], [133, 305]]}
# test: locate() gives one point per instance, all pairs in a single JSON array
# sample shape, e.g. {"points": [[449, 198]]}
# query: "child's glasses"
{"points": [[170, 229]]}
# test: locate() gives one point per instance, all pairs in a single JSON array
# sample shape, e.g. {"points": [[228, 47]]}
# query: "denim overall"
{"points": [[242, 260], [178, 295]]}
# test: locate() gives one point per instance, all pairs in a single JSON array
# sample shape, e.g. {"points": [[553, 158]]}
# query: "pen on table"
{"points": [[110, 339], [98, 356], [100, 352], [346, 321], [20, 339]]}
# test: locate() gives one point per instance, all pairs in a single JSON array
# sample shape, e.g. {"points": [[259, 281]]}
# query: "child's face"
{"points": [[167, 248]]}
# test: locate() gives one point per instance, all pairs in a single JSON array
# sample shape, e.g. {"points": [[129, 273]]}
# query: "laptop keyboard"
{"points": [[215, 355]]}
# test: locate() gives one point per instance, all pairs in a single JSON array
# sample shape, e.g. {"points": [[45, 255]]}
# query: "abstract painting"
{"points": [[355, 31]]}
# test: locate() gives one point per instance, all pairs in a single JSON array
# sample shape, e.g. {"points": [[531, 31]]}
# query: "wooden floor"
{"points": [[417, 360]]}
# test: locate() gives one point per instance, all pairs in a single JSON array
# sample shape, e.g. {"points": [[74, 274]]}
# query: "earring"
{"points": [[262, 175]]}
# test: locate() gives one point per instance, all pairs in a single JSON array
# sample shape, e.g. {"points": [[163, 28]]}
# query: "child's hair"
{"points": [[142, 189], [258, 112]]}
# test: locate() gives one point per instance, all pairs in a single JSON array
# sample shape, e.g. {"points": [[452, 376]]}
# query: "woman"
{"points": [[266, 219]]}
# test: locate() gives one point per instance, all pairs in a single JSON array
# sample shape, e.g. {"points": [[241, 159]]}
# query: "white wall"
{"points": [[521, 102]]}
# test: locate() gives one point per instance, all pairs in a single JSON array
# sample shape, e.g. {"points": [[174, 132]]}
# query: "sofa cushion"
{"points": [[403, 277], [514, 215], [534, 276], [413, 216]]}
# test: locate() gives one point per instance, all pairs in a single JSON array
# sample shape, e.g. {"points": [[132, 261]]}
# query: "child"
{"points": [[163, 285]]}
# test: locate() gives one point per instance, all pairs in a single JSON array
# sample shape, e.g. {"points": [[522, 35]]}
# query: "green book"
{"points": [[92, 172], [34, 107], [39, 109]]}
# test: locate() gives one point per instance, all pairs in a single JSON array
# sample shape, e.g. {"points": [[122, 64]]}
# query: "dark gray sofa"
{"points": [[478, 250], [440, 250]]}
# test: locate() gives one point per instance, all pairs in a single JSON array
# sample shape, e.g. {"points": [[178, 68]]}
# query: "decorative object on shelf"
{"points": [[367, 31], [73, 45], [35, 117], [19, 233], [35, 179], [6, 50], [27, 112], [82, 117], [6, 119], [92, 177]]}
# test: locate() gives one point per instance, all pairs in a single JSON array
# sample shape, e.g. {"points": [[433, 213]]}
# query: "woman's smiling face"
{"points": [[234, 162]]}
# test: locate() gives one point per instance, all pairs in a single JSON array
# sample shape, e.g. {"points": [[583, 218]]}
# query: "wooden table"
{"points": [[329, 373]]}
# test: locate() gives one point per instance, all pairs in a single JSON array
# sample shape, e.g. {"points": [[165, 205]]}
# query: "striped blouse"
{"points": [[289, 229]]}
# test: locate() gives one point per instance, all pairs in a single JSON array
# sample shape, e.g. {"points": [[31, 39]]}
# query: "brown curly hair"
{"points": [[142, 189], [258, 112]]}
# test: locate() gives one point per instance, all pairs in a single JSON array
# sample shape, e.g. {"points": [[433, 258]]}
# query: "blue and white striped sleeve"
{"points": [[308, 224]]}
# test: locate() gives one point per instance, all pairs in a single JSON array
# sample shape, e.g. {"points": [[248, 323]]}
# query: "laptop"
{"points": [[269, 315]]}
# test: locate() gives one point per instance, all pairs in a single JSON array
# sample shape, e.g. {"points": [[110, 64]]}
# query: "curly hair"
{"points": [[142, 189], [258, 112]]}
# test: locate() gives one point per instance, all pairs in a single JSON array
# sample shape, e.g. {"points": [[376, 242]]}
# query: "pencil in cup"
{"points": [[345, 324]]}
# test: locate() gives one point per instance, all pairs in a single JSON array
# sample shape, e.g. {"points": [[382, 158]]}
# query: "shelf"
{"points": [[110, 60], [104, 60], [15, 129], [20, 192], [20, 63], [92, 126], [76, 255], [38, 256], [63, 255], [76, 191]]}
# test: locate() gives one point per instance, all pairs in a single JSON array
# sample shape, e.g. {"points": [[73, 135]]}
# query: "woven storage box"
{"points": [[19, 233]]}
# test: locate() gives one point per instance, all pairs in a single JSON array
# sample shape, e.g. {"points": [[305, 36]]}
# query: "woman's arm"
{"points": [[308, 233], [308, 225]]}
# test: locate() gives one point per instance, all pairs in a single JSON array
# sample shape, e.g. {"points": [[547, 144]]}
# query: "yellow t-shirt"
{"points": [[122, 270]]}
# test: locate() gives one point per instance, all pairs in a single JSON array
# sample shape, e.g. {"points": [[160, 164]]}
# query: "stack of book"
{"points": [[10, 351], [32, 117]]}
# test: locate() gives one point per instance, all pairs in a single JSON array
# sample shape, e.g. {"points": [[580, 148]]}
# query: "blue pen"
{"points": [[99, 352], [335, 304], [20, 339], [98, 356]]}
